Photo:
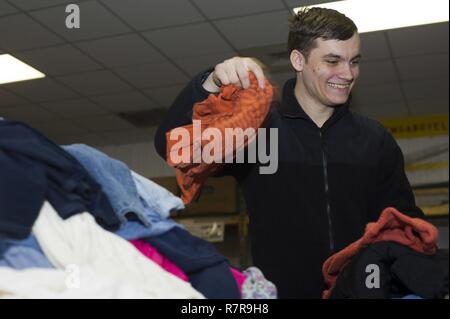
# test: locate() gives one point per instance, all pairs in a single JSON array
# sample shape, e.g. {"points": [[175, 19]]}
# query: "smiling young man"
{"points": [[336, 170]]}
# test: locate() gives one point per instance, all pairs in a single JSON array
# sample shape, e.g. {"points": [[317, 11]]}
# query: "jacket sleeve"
{"points": [[393, 188], [180, 112]]}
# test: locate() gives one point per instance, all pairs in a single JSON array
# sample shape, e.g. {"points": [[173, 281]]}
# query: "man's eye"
{"points": [[332, 62], [356, 62]]}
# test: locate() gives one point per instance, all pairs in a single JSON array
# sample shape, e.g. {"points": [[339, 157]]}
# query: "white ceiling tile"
{"points": [[19, 32], [273, 56], [153, 75], [93, 140], [423, 66], [426, 39], [94, 83], [144, 14], [280, 78], [74, 108], [248, 32], [426, 89], [374, 46], [27, 113], [383, 110], [197, 64], [6, 8], [377, 72], [123, 50], [131, 136], [29, 5], [166, 95], [188, 41], [58, 60], [58, 128], [300, 3], [125, 102], [215, 9], [428, 107], [8, 99], [103, 123], [41, 90], [376, 94], [95, 21]]}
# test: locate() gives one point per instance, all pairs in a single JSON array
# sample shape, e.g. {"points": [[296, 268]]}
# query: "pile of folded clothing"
{"points": [[75, 223]]}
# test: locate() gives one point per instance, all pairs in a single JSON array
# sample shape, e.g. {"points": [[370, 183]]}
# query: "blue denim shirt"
{"points": [[23, 254], [142, 206], [158, 202], [114, 177], [158, 199]]}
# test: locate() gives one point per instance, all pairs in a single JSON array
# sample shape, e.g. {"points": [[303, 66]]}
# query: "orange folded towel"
{"points": [[234, 107], [391, 226]]}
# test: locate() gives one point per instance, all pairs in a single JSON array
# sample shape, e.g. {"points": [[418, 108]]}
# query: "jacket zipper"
{"points": [[325, 176]]}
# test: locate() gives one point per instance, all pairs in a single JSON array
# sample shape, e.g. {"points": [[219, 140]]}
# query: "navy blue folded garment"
{"points": [[208, 271], [34, 169], [395, 270]]}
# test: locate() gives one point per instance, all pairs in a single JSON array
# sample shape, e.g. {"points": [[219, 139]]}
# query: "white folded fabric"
{"points": [[44, 283], [101, 264]]}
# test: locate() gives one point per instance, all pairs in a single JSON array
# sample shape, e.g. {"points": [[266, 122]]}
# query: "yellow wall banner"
{"points": [[410, 127], [426, 166], [425, 147]]}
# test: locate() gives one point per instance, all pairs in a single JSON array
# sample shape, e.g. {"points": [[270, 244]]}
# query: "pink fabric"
{"points": [[239, 277], [151, 253]]}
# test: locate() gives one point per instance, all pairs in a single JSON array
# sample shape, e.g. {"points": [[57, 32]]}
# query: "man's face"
{"points": [[332, 69]]}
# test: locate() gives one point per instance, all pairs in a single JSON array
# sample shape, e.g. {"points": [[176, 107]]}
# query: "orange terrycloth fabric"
{"points": [[234, 107], [392, 225]]}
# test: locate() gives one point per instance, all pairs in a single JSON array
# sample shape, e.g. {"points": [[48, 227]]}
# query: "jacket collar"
{"points": [[290, 107]]}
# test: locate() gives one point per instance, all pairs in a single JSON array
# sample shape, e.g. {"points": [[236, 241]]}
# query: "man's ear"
{"points": [[297, 60]]}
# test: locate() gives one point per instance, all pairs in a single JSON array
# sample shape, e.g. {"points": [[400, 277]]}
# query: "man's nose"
{"points": [[347, 72]]}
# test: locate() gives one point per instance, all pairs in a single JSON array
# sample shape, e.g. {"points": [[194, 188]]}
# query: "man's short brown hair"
{"points": [[310, 24]]}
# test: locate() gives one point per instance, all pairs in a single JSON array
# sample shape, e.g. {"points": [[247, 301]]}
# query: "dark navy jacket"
{"points": [[34, 169]]}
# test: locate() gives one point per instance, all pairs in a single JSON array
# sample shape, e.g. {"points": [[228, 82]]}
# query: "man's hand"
{"points": [[234, 71]]}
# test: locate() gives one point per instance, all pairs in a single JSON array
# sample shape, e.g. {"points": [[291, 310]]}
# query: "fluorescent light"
{"points": [[14, 70], [376, 15]]}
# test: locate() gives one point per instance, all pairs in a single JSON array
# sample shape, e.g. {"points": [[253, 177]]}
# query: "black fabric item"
{"points": [[402, 271], [34, 169], [208, 271], [22, 190], [330, 183]]}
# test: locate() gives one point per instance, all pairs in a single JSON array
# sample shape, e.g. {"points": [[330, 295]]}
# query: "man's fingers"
{"points": [[235, 71], [242, 72], [230, 69], [258, 72], [216, 80], [222, 76]]}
